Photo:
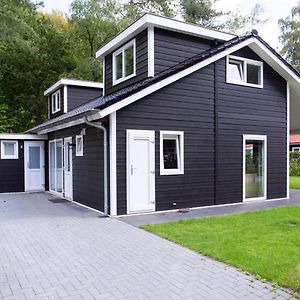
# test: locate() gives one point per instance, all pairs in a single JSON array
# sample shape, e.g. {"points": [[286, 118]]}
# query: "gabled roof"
{"points": [[151, 20], [65, 81], [108, 104]]}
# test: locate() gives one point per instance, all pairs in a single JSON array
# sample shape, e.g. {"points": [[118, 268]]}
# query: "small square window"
{"points": [[55, 102], [9, 150], [79, 145], [171, 153], [296, 149], [244, 71], [124, 63]]}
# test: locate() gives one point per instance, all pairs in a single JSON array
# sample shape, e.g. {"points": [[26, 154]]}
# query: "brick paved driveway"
{"points": [[63, 251]]}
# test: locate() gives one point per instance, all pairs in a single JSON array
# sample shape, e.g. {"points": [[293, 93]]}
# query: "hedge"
{"points": [[295, 163]]}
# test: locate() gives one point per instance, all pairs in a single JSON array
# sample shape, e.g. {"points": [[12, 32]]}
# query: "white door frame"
{"points": [[150, 135], [255, 138], [49, 171], [42, 163], [66, 172]]}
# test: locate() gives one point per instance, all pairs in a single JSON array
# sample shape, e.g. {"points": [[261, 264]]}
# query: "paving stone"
{"points": [[62, 251]]}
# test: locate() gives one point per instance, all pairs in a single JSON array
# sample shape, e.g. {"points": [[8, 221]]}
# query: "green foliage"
{"points": [[290, 35], [294, 163]]}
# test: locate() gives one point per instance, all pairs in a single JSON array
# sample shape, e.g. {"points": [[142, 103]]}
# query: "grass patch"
{"points": [[264, 243], [295, 182]]}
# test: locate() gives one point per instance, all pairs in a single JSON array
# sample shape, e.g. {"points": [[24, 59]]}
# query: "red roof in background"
{"points": [[294, 138]]}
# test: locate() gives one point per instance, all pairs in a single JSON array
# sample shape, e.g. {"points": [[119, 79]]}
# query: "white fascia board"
{"points": [[78, 121], [20, 136], [265, 54], [150, 51], [65, 81], [271, 59], [171, 79], [161, 22], [65, 98]]}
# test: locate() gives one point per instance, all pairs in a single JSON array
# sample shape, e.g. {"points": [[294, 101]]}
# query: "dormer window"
{"points": [[124, 63], [55, 102], [244, 71]]}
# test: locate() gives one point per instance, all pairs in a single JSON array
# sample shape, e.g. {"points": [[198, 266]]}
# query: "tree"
{"points": [[33, 54], [290, 36]]}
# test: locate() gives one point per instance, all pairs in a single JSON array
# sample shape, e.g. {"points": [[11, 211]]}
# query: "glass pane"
{"points": [[34, 157], [254, 169], [129, 61], [9, 149], [170, 154], [59, 155], [253, 74], [67, 157], [52, 166], [119, 73], [235, 70]]}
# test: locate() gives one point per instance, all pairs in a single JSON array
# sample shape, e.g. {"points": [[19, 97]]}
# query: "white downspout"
{"points": [[100, 126]]}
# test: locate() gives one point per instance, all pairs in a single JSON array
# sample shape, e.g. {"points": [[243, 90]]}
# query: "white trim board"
{"points": [[160, 22], [20, 136], [65, 81]]}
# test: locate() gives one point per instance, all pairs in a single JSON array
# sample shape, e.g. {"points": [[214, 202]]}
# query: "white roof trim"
{"points": [[65, 81], [253, 43], [22, 136], [161, 22]]}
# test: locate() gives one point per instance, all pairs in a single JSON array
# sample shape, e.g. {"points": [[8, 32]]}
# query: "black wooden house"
{"points": [[186, 117]]}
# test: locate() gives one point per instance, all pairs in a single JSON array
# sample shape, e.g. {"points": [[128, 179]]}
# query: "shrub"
{"points": [[294, 163]]}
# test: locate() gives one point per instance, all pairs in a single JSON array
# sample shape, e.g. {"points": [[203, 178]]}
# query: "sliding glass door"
{"points": [[255, 167], [56, 166]]}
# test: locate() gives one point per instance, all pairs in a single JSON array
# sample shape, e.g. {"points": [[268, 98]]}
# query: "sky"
{"points": [[273, 10]]}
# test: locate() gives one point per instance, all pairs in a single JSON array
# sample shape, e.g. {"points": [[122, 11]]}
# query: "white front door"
{"points": [[34, 159], [68, 168], [140, 171]]}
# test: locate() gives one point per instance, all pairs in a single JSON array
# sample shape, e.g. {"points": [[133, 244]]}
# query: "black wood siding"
{"points": [[61, 111], [248, 110], [12, 172], [189, 105], [171, 48], [87, 169], [141, 65], [78, 95]]}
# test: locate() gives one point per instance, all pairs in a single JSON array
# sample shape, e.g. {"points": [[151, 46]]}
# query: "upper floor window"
{"points": [[55, 102], [124, 63], [9, 150], [244, 71]]}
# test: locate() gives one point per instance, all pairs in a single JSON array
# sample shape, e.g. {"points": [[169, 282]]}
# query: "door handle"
{"points": [[152, 172], [131, 169]]}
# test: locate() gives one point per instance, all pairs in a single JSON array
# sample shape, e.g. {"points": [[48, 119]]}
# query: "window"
{"points": [[79, 145], [295, 149], [55, 102], [171, 153], [9, 150], [124, 63], [244, 71]]}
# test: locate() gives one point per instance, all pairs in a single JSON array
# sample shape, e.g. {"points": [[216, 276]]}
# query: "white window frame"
{"points": [[255, 138], [295, 149], [179, 136], [114, 63], [55, 102], [79, 153], [245, 62], [16, 149]]}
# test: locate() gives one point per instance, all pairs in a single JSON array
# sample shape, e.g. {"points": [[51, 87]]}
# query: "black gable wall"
{"points": [[171, 48], [141, 65], [190, 105], [78, 95]]}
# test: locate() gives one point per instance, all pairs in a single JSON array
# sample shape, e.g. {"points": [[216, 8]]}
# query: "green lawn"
{"points": [[294, 182], [264, 243]]}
